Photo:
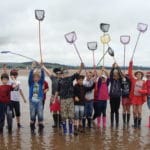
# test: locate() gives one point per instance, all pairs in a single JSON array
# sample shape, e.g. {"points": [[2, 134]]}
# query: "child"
{"points": [[102, 97], [55, 100], [126, 103], [45, 90], [5, 103], [137, 98], [79, 102], [65, 91], [36, 81], [115, 93], [15, 95], [89, 97]]}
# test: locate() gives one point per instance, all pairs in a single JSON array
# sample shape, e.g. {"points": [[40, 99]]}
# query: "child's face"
{"points": [[116, 76], [36, 78], [13, 77], [4, 81], [80, 81], [139, 76], [89, 75]]}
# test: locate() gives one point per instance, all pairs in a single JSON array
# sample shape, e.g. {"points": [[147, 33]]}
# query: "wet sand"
{"points": [[94, 139]]}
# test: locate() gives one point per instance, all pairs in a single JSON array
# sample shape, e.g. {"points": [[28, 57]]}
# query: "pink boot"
{"points": [[98, 122], [104, 122]]}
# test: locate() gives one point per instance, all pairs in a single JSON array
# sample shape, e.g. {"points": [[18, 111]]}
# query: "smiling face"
{"points": [[139, 75], [89, 75]]}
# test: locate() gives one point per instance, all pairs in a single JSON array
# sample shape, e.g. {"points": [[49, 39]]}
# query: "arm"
{"points": [[22, 95], [130, 70], [30, 79], [47, 71], [42, 76], [81, 67]]}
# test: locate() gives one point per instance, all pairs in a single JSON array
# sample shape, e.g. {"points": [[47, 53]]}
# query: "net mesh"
{"points": [[71, 37], [110, 51], [142, 27], [104, 27], [92, 45], [105, 39], [125, 39], [39, 14]]}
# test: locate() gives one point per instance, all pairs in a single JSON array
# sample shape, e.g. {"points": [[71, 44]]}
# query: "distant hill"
{"points": [[25, 65]]}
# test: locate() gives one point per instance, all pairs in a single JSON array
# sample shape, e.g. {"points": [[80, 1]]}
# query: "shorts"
{"points": [[78, 111], [36, 109], [126, 101], [137, 100], [67, 108], [148, 101], [54, 105], [16, 108]]}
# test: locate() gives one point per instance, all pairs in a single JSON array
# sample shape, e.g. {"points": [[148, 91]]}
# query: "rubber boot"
{"points": [[89, 122], [112, 119], [104, 122], [98, 122], [60, 121], [32, 127], [83, 123], [64, 127], [124, 118], [135, 122], [41, 127], [70, 127], [55, 121], [128, 119], [139, 123], [117, 119]]}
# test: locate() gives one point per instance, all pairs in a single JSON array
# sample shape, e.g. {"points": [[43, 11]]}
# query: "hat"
{"points": [[104, 76], [57, 70], [138, 71], [14, 72], [147, 74]]}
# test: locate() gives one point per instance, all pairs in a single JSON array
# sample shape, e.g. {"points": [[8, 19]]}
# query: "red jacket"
{"points": [[133, 82], [5, 93]]}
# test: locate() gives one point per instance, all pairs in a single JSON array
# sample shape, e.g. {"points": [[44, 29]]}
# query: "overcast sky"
{"points": [[19, 29]]}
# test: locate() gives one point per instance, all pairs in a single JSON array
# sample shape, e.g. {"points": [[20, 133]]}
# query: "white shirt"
{"points": [[89, 95], [15, 94]]}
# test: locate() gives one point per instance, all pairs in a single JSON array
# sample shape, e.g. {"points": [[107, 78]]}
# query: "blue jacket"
{"points": [[31, 84]]}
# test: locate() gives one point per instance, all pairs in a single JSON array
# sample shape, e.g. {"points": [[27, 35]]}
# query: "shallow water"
{"points": [[94, 139]]}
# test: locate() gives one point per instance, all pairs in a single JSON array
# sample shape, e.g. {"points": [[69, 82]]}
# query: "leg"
{"points": [[76, 123], [128, 113], [135, 116], [9, 118], [112, 108], [139, 115], [2, 116], [104, 114], [32, 117], [117, 106], [17, 113], [40, 116]]}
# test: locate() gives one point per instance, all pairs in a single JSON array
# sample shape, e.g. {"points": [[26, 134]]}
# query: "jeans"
{"points": [[36, 109], [79, 111], [5, 109], [88, 109]]}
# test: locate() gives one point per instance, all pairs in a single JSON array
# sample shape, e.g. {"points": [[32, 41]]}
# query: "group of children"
{"points": [[76, 100]]}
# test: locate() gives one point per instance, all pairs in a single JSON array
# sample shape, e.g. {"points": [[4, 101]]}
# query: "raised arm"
{"points": [[47, 71], [81, 67], [42, 76], [30, 79], [130, 70]]}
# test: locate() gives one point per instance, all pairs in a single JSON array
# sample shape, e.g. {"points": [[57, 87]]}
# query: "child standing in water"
{"points": [[15, 95], [126, 103], [5, 103], [148, 93], [102, 97], [115, 93], [55, 100], [65, 91], [79, 101], [36, 94], [136, 96]]}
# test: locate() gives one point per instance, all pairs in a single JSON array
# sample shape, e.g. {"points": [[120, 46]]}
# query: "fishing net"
{"points": [[71, 37], [104, 27], [142, 27], [105, 39], [92, 45], [111, 52], [125, 39], [39, 14]]}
